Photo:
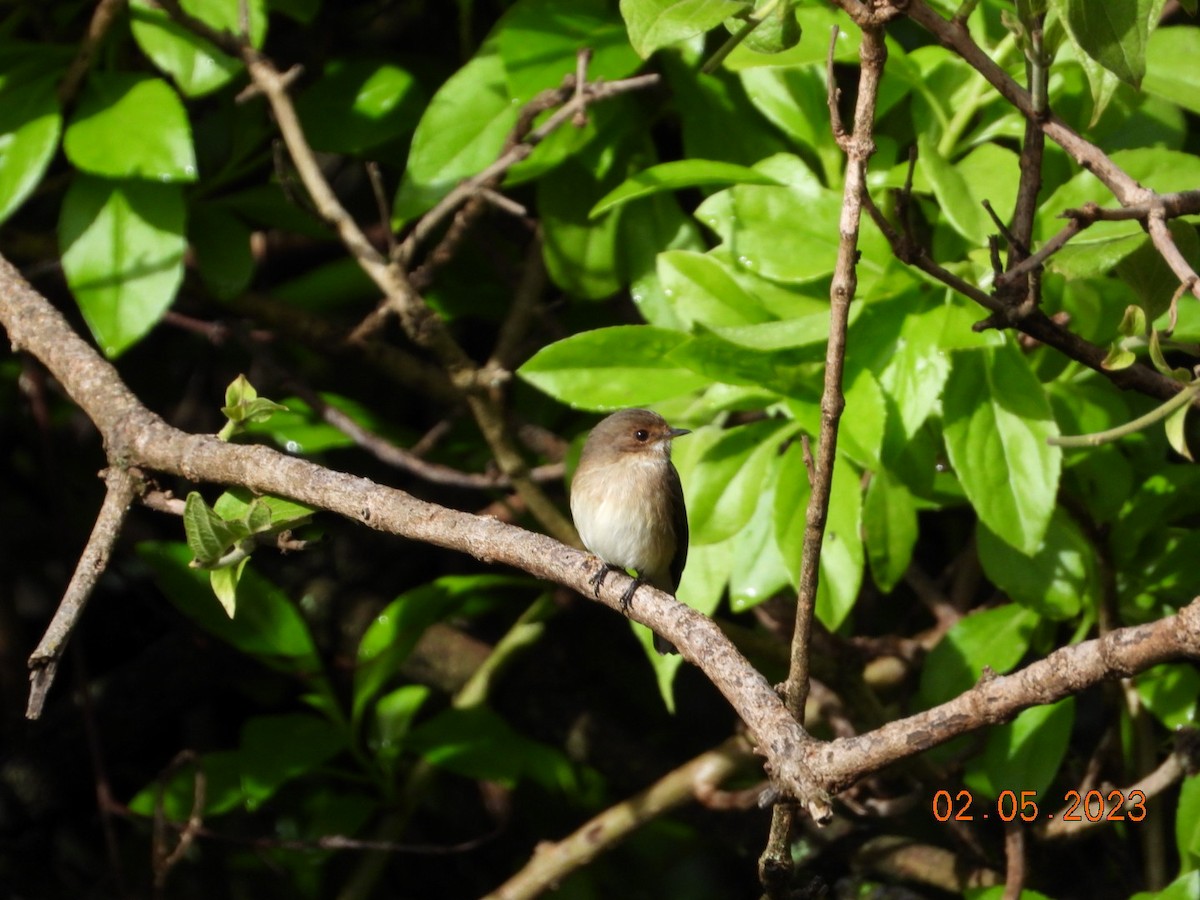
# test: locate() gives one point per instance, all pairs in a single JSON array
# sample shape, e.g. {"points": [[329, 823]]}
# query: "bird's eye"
{"points": [[641, 434]]}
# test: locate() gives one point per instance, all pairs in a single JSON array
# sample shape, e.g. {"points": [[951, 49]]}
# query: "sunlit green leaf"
{"points": [[122, 252], [997, 421], [130, 126], [657, 23], [609, 368]]}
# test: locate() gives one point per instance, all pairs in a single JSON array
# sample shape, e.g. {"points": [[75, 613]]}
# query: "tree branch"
{"points": [[775, 866], [553, 862], [43, 663], [136, 436]]}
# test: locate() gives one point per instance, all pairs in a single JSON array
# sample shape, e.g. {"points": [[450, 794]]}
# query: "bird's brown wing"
{"points": [[680, 525]]}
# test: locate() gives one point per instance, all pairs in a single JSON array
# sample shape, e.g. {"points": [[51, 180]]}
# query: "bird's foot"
{"points": [[597, 580], [627, 597]]}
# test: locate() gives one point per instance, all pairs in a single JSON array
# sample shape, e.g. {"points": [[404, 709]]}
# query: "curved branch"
{"points": [[133, 435]]}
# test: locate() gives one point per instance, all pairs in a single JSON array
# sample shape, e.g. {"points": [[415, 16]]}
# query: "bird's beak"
{"points": [[678, 432]]}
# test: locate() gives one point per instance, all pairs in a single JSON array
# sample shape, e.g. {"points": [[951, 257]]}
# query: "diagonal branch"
{"points": [[553, 862], [1120, 653], [135, 435], [43, 663]]}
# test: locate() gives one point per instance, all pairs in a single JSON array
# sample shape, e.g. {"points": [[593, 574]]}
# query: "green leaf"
{"points": [[539, 39], [1056, 581], [391, 636], [793, 98], [268, 627], [1170, 66], [1147, 273], [1171, 692], [197, 66], [130, 126], [610, 368], [728, 479], [995, 638], [762, 226], [997, 421], [1025, 752], [580, 254], [954, 195], [864, 421], [677, 175], [279, 749], [122, 249], [842, 555], [657, 23], [1113, 34], [240, 504], [778, 30], [476, 743], [1176, 435], [208, 535], [243, 405], [30, 123], [792, 372], [222, 789], [302, 431], [221, 242], [702, 290], [358, 104], [462, 130], [394, 715], [1187, 827], [759, 570], [889, 529], [224, 582]]}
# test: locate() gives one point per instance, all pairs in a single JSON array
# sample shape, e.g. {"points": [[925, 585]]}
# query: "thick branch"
{"points": [[136, 436], [1119, 654]]}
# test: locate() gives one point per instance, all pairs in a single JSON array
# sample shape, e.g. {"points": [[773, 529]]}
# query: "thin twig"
{"points": [[775, 863], [121, 488], [1014, 860], [165, 859], [1168, 773], [375, 176], [103, 16], [1033, 322], [520, 150]]}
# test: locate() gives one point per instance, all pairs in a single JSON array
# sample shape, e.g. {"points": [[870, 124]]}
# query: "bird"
{"points": [[627, 503]]}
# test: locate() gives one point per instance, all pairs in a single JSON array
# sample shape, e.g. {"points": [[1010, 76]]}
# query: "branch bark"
{"points": [[43, 663]]}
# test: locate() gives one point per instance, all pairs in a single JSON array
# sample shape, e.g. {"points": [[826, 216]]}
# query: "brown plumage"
{"points": [[627, 502]]}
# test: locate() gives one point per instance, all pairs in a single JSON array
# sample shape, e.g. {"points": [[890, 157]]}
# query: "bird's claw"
{"points": [[627, 597], [597, 580]]}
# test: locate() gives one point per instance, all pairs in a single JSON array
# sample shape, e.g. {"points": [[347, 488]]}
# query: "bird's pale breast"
{"points": [[623, 515]]}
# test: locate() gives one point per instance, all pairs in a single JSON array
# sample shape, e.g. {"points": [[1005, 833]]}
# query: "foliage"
{"points": [[689, 236]]}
